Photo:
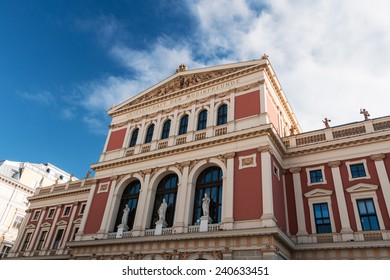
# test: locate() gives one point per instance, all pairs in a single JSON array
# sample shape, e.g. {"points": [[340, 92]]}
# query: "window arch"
{"points": [[222, 114], [167, 188], [166, 129], [210, 182], [202, 120], [149, 134], [134, 136], [183, 125], [130, 197]]}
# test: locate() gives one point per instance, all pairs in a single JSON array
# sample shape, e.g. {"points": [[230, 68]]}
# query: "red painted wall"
{"points": [[373, 180], [273, 113], [328, 186], [97, 208], [291, 208], [247, 105], [247, 189], [278, 196], [116, 139]]}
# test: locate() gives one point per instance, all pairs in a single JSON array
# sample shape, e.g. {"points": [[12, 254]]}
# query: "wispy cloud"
{"points": [[41, 97]]}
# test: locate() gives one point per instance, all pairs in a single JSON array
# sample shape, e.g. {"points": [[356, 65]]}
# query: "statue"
{"points": [[205, 205], [365, 113], [162, 210], [292, 129], [326, 121], [125, 215]]}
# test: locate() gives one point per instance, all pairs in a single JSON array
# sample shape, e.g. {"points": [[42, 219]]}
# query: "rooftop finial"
{"points": [[181, 68], [326, 122], [365, 113], [265, 56]]}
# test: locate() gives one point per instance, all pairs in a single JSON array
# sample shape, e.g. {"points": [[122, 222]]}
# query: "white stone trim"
{"points": [[364, 191], [103, 187], [322, 168], [247, 161], [349, 163], [70, 210], [320, 196]]}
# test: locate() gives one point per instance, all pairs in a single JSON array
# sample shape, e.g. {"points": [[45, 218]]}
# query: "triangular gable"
{"points": [[182, 80], [362, 187], [31, 226], [318, 192], [62, 223], [77, 221], [46, 224]]}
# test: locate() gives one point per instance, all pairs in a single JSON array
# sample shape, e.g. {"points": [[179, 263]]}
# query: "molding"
{"points": [[362, 187], [377, 157], [318, 193]]}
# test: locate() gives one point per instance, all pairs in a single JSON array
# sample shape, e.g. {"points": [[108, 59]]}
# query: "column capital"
{"points": [[295, 170], [229, 155], [377, 157], [185, 163], [335, 163], [264, 149]]}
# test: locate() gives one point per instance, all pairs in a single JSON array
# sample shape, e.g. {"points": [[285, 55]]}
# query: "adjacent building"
{"points": [[18, 181], [212, 164]]}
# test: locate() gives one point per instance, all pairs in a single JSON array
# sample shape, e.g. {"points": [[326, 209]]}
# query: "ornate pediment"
{"points": [[182, 80], [61, 223], [318, 192], [46, 224], [362, 187], [31, 226]]}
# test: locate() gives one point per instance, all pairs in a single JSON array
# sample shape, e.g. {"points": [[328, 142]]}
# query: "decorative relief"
{"points": [[183, 82], [250, 86], [247, 161], [103, 187]]}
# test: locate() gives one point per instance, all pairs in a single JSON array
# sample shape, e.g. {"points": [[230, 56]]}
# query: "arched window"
{"points": [[202, 120], [129, 197], [167, 188], [210, 182], [183, 125], [165, 130], [149, 134], [222, 114], [134, 136]]}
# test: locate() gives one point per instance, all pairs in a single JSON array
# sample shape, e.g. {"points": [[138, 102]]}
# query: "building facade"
{"points": [[212, 164], [18, 181]]}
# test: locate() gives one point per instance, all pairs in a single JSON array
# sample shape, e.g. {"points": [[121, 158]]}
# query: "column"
{"points": [[52, 228], [296, 171], [268, 218], [35, 235], [191, 122], [210, 118], [181, 201], [285, 201], [80, 233], [105, 223], [346, 230], [230, 120], [142, 198], [146, 200], [383, 178], [228, 193]]}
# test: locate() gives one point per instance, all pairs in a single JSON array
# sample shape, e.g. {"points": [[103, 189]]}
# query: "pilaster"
{"points": [[383, 178], [296, 171], [268, 218]]}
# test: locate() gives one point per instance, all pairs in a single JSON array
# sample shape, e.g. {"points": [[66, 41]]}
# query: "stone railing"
{"points": [[145, 148], [181, 140], [162, 144], [335, 133], [220, 130], [200, 136]]}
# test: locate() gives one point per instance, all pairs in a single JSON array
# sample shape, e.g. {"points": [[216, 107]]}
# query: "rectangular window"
{"points": [[316, 176], [17, 222], [82, 209], [4, 252], [50, 214], [74, 233], [58, 238], [367, 213], [66, 211], [357, 170], [41, 240], [322, 218], [36, 215], [26, 241]]}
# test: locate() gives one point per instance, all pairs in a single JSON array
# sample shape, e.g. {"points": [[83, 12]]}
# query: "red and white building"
{"points": [[228, 131]]}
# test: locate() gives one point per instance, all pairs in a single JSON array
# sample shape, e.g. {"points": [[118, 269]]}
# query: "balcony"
{"points": [[337, 133]]}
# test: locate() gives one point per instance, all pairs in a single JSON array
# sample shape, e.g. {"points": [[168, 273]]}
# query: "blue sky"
{"points": [[64, 63]]}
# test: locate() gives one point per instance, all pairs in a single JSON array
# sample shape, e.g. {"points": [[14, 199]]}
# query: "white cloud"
{"points": [[331, 57], [42, 97]]}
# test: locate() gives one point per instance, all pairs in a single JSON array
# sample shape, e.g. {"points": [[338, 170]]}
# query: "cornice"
{"points": [[16, 184], [59, 194], [196, 145]]}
